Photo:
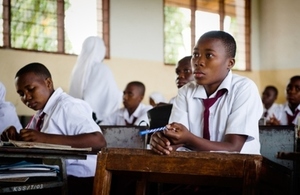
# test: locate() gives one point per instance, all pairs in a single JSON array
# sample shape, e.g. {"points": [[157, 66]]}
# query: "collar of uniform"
{"points": [[288, 110], [51, 102], [226, 83], [136, 113]]}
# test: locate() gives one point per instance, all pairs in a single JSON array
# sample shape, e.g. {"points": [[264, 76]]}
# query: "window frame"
{"points": [[193, 8], [60, 28]]}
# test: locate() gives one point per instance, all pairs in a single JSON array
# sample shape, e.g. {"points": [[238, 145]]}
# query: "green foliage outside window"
{"points": [[175, 23], [34, 25]]}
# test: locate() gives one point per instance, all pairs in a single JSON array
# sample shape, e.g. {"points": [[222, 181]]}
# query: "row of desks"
{"points": [[252, 173]]}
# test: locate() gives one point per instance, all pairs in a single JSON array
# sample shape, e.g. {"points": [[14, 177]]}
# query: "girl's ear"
{"points": [[231, 63], [49, 83]]}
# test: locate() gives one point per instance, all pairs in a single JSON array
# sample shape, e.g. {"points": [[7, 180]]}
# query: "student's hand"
{"points": [[273, 121], [177, 133], [10, 133], [32, 135], [160, 144]]}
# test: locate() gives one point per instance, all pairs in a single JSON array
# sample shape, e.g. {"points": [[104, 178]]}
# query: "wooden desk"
{"points": [[250, 172], [13, 153]]}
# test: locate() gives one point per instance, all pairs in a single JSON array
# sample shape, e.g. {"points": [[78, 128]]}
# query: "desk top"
{"points": [[195, 163], [10, 151]]}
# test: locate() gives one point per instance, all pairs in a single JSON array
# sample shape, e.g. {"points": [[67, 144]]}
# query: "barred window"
{"points": [[186, 20], [56, 26]]}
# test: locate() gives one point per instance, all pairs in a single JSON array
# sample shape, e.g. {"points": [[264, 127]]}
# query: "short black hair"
{"points": [[36, 68], [273, 88], [139, 85], [186, 58], [296, 77], [225, 37]]}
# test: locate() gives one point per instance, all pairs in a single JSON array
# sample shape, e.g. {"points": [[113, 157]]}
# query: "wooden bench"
{"points": [[251, 173]]}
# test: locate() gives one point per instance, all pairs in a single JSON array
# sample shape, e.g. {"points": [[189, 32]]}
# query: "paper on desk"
{"points": [[13, 180], [23, 144], [223, 151]]}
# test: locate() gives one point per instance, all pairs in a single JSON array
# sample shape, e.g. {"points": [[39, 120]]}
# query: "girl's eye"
{"points": [[209, 55], [195, 55], [187, 71]]}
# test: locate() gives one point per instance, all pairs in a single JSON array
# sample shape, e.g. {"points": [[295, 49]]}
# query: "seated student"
{"points": [[156, 98], [60, 119], [184, 73], [231, 123], [291, 109], [8, 114], [134, 113], [271, 109]]}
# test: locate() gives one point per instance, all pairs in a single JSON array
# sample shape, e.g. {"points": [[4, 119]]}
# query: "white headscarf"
{"points": [[8, 115], [157, 97], [93, 81]]}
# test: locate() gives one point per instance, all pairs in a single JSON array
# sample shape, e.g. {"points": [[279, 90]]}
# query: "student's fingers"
{"points": [[160, 144], [9, 133], [28, 135], [4, 136]]}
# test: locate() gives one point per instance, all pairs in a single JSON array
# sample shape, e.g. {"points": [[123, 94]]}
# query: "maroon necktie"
{"points": [[291, 118], [207, 104], [39, 123], [130, 124], [266, 114]]}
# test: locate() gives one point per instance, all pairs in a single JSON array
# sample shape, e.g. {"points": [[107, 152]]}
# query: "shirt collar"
{"points": [[226, 84], [51, 102]]}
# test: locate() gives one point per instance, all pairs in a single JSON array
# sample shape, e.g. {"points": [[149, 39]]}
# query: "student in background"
{"points": [[156, 98], [184, 73], [93, 81], [291, 109], [8, 114], [134, 112], [231, 123], [271, 109], [60, 119]]}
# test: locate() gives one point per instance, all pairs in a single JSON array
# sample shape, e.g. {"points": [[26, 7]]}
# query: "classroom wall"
{"points": [[137, 49]]}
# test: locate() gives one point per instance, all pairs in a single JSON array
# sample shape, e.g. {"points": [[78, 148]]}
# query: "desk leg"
{"points": [[250, 183], [102, 180], [64, 190], [141, 187]]}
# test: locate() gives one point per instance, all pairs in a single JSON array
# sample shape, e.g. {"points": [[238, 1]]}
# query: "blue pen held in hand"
{"points": [[147, 131]]}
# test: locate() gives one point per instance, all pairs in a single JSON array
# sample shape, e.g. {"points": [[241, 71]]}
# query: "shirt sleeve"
{"points": [[179, 112], [246, 110]]}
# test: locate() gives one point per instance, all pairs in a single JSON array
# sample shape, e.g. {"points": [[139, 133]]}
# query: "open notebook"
{"points": [[23, 144]]}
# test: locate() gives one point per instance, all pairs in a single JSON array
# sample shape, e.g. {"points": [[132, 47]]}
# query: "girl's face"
{"points": [[293, 91], [34, 90], [210, 63], [184, 73]]}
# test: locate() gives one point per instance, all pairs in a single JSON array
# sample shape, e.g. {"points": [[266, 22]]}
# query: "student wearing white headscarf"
{"points": [[8, 115], [93, 81], [155, 98]]}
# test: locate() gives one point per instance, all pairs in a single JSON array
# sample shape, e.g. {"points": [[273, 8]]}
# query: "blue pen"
{"points": [[152, 130]]}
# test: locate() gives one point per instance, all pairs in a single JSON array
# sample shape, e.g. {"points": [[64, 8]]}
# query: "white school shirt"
{"points": [[8, 114], [275, 110], [172, 100], [66, 115], [236, 112], [283, 118], [119, 116]]}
